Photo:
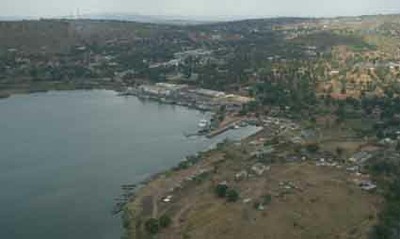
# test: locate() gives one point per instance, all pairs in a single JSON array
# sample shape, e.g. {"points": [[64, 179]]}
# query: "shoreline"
{"points": [[5, 96], [142, 184], [170, 192], [154, 176], [129, 213], [27, 90], [148, 179]]}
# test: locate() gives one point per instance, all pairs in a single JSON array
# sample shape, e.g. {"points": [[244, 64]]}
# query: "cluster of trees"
{"points": [[389, 121], [326, 40], [389, 218], [287, 88], [59, 73], [389, 105]]}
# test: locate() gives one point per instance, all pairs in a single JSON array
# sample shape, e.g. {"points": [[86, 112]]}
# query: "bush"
{"points": [[232, 195], [339, 151], [312, 148], [164, 221], [152, 226], [267, 199], [257, 205], [221, 190], [201, 177], [184, 165], [380, 134]]}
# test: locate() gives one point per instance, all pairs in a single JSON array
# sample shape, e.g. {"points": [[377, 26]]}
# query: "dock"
{"points": [[221, 130]]}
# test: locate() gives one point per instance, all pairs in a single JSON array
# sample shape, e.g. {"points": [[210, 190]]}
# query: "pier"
{"points": [[223, 129]]}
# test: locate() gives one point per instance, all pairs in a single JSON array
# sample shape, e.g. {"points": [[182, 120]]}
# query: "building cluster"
{"points": [[185, 95], [202, 55]]}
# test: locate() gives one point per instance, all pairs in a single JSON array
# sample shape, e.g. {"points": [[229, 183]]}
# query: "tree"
{"points": [[312, 148], [34, 73], [328, 100], [398, 146], [152, 226], [164, 221], [232, 195], [339, 151], [267, 199], [341, 112], [380, 134], [221, 190], [221, 117]]}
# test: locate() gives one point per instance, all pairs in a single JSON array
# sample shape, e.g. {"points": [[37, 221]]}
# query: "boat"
{"points": [[243, 124], [203, 124]]}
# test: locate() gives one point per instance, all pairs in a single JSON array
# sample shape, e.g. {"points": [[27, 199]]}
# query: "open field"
{"points": [[323, 206], [306, 202]]}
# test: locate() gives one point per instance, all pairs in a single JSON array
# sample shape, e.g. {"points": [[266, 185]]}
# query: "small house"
{"points": [[360, 157]]}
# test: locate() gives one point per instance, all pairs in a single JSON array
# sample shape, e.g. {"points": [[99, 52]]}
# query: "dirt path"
{"points": [[155, 207]]}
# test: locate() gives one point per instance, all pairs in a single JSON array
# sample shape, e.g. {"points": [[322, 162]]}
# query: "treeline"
{"points": [[388, 170]]}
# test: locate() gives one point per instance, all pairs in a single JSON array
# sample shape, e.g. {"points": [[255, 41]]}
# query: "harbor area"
{"points": [[226, 109], [189, 96]]}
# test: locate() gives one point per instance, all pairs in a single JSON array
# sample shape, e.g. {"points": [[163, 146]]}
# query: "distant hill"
{"points": [[170, 20], [155, 19], [58, 36], [17, 18], [34, 36]]}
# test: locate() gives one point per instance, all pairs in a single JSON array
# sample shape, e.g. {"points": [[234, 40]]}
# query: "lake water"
{"points": [[64, 156]]}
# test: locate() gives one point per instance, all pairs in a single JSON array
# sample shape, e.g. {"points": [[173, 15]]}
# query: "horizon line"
{"points": [[177, 17]]}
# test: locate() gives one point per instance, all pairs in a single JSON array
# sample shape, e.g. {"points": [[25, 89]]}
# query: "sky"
{"points": [[203, 8]]}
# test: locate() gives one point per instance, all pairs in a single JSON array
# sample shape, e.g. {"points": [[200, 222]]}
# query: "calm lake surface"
{"points": [[64, 156]]}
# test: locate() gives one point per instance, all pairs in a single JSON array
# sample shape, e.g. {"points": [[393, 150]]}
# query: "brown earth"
{"points": [[321, 202]]}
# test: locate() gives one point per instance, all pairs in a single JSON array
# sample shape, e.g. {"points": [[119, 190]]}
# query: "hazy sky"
{"points": [[48, 8]]}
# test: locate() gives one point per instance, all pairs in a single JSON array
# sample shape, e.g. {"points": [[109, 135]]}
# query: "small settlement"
{"points": [[276, 177], [225, 108], [181, 94]]}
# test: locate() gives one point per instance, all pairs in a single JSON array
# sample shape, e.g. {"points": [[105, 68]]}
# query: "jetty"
{"points": [[220, 130]]}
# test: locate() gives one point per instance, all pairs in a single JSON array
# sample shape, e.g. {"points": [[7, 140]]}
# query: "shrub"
{"points": [[152, 226], [339, 151], [232, 195], [221, 190], [164, 221], [312, 148], [184, 165], [256, 204], [267, 199], [201, 177]]}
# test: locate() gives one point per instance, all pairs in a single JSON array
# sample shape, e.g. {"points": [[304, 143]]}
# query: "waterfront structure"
{"points": [[203, 99]]}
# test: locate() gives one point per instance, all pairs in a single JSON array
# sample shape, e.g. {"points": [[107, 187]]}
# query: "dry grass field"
{"points": [[306, 202], [323, 204]]}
